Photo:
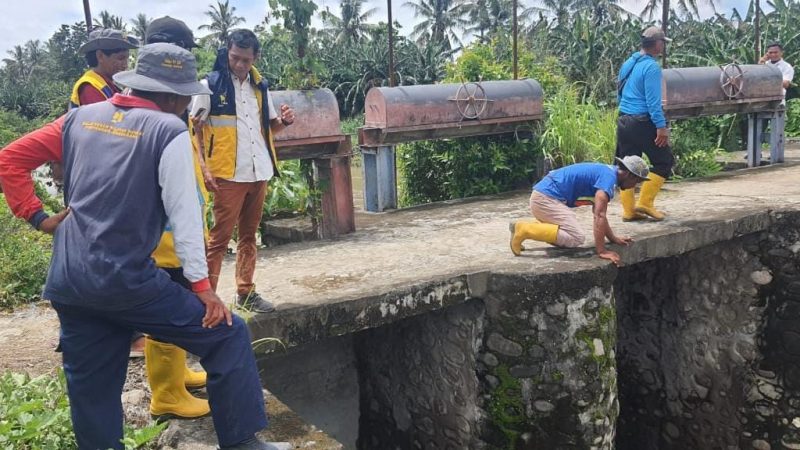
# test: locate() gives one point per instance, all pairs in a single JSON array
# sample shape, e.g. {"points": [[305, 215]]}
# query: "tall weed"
{"points": [[577, 131]]}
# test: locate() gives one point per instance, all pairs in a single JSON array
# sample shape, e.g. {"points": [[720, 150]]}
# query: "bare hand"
{"points": [[287, 114], [210, 181], [611, 256], [763, 59], [50, 224], [198, 122], [622, 240], [216, 311], [662, 137]]}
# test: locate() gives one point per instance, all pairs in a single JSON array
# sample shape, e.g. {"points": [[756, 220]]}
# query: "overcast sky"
{"points": [[21, 21]]}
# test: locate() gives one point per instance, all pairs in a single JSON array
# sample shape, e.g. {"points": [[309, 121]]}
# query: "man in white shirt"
{"points": [[774, 56], [236, 124]]}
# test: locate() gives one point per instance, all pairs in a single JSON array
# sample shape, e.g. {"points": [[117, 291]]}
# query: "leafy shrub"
{"points": [[14, 125], [793, 117], [446, 169], [694, 149], [24, 258], [576, 131], [34, 414], [288, 194]]}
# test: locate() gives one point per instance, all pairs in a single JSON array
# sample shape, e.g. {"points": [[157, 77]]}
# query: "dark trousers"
{"points": [[637, 135], [95, 350]]}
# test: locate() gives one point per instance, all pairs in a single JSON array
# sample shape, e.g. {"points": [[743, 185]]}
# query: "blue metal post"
{"points": [[380, 180]]}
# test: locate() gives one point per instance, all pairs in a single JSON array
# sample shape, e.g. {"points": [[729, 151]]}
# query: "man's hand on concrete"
{"points": [[611, 256], [216, 311], [662, 137], [622, 240], [50, 224]]}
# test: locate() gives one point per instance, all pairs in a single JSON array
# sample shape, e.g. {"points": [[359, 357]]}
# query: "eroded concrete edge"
{"points": [[303, 325]]}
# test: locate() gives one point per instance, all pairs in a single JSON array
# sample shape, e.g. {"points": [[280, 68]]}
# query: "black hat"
{"points": [[169, 30]]}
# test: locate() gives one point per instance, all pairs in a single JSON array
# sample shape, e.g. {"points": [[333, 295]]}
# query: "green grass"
{"points": [[34, 415]]}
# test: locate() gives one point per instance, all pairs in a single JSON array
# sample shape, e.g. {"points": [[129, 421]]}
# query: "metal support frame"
{"points": [[756, 122], [380, 178]]}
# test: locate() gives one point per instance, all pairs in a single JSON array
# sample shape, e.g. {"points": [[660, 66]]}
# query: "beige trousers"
{"points": [[549, 210]]}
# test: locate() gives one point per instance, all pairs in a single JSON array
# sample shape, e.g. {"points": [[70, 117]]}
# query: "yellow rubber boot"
{"points": [[193, 379], [166, 364], [628, 199], [647, 196], [545, 232]]}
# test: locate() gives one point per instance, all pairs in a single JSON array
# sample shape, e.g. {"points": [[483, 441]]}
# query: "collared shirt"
{"points": [[786, 70], [579, 181], [253, 162], [642, 91]]}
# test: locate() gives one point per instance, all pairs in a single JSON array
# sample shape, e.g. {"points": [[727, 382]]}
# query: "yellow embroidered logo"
{"points": [[172, 63], [222, 98], [117, 117]]}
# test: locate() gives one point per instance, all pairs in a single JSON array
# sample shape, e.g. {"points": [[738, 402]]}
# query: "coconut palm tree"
{"points": [[351, 25], [685, 7], [139, 26], [223, 20], [440, 19], [108, 20]]}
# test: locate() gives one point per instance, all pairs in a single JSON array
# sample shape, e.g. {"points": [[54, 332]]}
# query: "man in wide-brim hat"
{"points": [[106, 53], [129, 174]]}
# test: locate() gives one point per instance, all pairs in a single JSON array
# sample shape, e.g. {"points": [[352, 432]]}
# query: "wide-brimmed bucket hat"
{"points": [[108, 39], [635, 165], [165, 68]]}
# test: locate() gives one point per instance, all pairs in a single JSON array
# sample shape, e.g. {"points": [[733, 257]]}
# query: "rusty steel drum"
{"points": [[409, 113], [705, 91], [316, 130]]}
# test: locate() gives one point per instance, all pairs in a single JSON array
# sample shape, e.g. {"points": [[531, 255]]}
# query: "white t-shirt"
{"points": [[786, 69], [253, 161]]}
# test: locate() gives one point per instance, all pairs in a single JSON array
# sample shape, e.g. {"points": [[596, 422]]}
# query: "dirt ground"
{"points": [[28, 337]]}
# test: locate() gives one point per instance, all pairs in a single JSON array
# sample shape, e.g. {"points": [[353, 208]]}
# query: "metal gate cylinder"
{"points": [[704, 91], [409, 113]]}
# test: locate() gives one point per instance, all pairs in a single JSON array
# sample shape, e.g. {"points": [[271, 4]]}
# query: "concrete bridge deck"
{"points": [[409, 261], [422, 330]]}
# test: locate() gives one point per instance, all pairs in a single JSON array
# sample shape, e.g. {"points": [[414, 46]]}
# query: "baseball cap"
{"points": [[652, 34], [169, 30]]}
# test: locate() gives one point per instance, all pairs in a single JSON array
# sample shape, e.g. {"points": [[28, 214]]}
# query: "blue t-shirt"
{"points": [[642, 91], [578, 181]]}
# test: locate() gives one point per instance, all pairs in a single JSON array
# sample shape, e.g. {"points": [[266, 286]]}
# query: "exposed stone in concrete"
{"points": [[761, 277], [503, 345], [545, 407]]}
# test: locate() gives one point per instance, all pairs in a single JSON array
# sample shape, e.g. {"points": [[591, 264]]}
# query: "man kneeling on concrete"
{"points": [[128, 174], [578, 185]]}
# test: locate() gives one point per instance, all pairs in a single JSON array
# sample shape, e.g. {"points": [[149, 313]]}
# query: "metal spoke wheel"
{"points": [[731, 80], [471, 100]]}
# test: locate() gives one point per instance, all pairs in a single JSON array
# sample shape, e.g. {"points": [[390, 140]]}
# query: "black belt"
{"points": [[635, 116]]}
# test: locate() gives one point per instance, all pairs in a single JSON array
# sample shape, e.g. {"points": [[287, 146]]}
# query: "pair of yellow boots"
{"points": [[632, 211], [169, 379]]}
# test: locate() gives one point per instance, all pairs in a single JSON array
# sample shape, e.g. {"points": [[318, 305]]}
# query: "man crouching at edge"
{"points": [[572, 186]]}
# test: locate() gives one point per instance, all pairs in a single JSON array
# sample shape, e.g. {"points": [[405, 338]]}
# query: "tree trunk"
{"points": [[664, 26], [88, 16], [757, 26], [391, 44], [516, 69]]}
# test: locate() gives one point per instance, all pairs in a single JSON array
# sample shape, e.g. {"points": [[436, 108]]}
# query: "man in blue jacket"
{"points": [[641, 126]]}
